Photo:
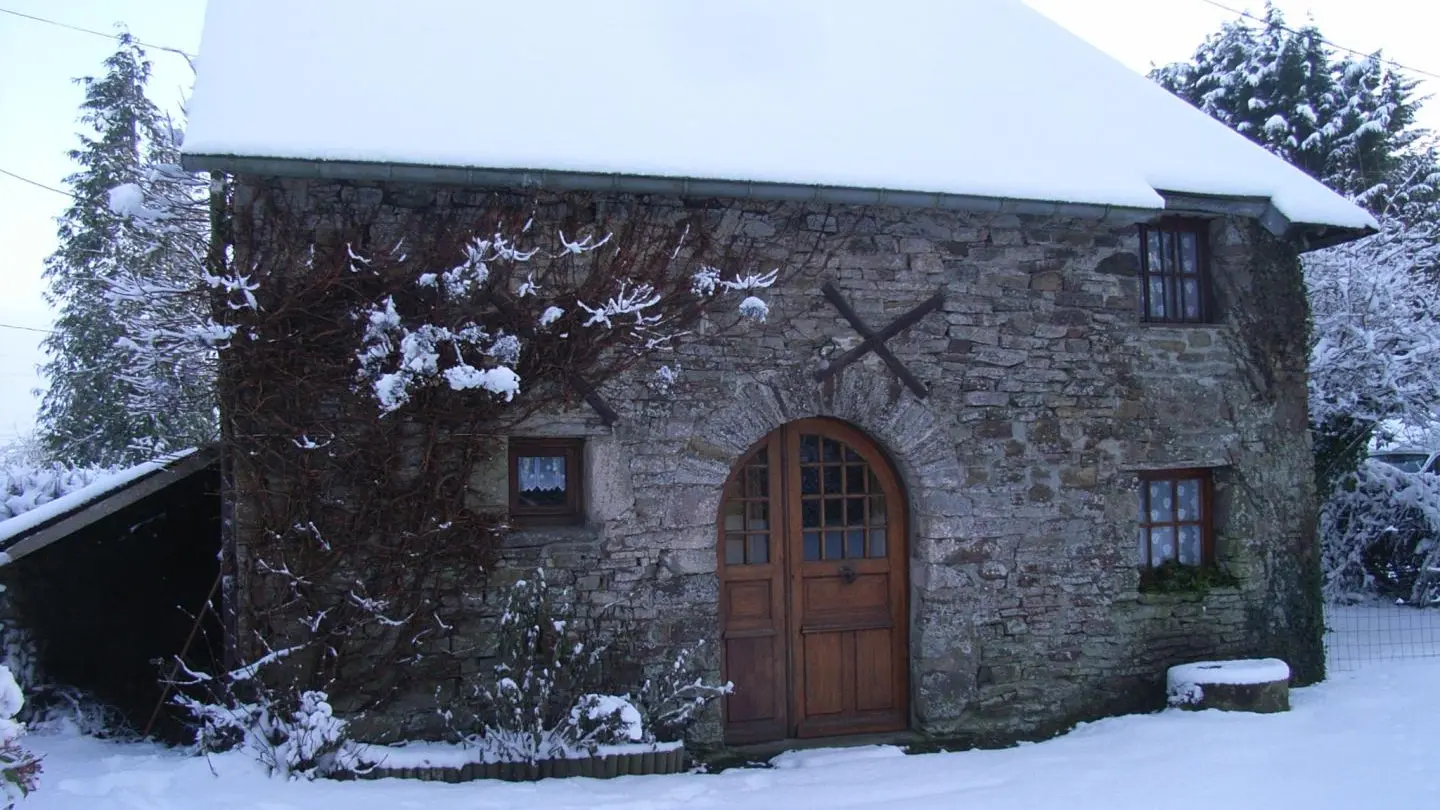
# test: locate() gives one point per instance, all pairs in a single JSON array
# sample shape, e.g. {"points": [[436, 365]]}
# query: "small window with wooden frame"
{"points": [[1176, 518], [1175, 271], [546, 481]]}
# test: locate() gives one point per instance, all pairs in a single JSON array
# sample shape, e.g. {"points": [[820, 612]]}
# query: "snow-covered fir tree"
{"points": [[98, 408], [171, 344], [1344, 120]]}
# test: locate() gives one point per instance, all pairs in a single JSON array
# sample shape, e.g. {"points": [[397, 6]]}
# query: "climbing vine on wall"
{"points": [[384, 350]]}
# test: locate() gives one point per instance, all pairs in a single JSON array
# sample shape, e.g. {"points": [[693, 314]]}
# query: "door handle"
{"points": [[847, 573]]}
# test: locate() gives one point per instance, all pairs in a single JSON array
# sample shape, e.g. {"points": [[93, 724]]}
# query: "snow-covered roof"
{"points": [[36, 528], [981, 98]]}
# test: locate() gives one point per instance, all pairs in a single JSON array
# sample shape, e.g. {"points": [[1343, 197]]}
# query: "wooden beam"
{"points": [[597, 403], [874, 341], [592, 397]]}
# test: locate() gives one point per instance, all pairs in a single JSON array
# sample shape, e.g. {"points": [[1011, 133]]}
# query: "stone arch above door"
{"points": [[813, 566], [915, 438]]}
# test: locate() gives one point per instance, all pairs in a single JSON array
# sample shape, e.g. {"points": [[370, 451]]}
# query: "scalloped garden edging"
{"points": [[663, 758]]}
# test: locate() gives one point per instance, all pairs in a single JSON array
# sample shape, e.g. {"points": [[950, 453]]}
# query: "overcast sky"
{"points": [[38, 104]]}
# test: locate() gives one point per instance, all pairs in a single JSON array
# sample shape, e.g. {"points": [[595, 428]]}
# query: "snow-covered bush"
{"points": [[22, 451], [552, 694], [19, 769], [1375, 344], [23, 488], [672, 701], [293, 734], [539, 705], [1380, 532], [55, 706]]}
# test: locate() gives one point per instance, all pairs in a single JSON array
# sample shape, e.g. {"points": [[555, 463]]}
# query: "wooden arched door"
{"points": [[813, 587]]}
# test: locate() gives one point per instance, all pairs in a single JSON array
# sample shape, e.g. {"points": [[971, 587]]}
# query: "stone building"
{"points": [[1034, 364]]}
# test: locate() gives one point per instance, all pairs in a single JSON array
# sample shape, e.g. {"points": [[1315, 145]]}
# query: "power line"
{"points": [[188, 56], [26, 328], [1337, 46], [36, 183]]}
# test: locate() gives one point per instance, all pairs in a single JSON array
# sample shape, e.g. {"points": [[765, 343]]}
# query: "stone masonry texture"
{"points": [[1048, 397]]}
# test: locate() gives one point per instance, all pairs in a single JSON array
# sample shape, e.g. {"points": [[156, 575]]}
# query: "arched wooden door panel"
{"points": [[813, 592]]}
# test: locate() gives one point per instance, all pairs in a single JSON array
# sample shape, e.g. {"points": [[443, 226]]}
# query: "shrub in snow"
{"points": [[552, 695], [293, 734], [673, 700], [19, 769], [1380, 535], [57, 707], [23, 488], [540, 703]]}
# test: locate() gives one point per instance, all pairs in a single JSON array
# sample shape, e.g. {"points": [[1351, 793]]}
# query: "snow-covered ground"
{"points": [[1362, 739]]}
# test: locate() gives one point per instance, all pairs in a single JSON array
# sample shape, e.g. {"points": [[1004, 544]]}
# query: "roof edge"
{"points": [[1307, 236], [546, 179]]}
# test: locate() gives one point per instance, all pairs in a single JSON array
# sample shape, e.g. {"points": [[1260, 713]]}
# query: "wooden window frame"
{"points": [[573, 510], [1205, 306], [1207, 513]]}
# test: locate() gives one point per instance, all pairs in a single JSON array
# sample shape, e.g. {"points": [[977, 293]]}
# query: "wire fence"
{"points": [[1361, 634]]}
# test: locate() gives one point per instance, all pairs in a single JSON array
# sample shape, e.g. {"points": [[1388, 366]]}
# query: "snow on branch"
{"points": [[250, 670], [458, 328], [1376, 337], [162, 293], [628, 300], [396, 360]]}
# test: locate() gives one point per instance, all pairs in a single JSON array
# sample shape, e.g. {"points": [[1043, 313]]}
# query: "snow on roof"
{"points": [[102, 487], [982, 97]]}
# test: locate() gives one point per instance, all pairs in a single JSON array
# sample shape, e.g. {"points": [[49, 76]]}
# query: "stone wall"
{"points": [[1047, 398]]}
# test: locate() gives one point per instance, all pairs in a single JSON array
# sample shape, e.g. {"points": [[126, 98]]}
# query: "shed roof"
{"points": [[37, 528]]}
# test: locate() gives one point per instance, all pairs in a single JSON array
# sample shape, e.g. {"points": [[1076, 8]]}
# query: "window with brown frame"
{"points": [[1175, 271], [1175, 518], [545, 481]]}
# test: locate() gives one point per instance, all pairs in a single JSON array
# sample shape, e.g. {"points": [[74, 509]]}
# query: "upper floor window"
{"points": [[545, 481], [1175, 521], [1175, 272]]}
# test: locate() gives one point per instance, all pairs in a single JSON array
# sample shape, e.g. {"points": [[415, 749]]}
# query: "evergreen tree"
{"points": [[171, 341], [1345, 121], [93, 413]]}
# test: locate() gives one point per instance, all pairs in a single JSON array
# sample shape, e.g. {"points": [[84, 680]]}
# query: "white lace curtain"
{"points": [[541, 473]]}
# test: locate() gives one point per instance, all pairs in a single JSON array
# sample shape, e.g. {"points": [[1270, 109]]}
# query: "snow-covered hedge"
{"points": [[1380, 534], [24, 488]]}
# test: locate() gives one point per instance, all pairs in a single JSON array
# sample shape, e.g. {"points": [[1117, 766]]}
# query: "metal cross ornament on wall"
{"points": [[875, 341]]}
